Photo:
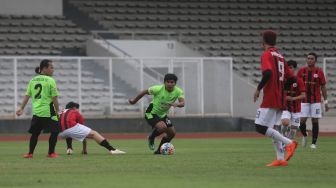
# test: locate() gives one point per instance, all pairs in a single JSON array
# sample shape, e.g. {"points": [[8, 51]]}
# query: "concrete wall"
{"points": [[139, 125], [31, 7]]}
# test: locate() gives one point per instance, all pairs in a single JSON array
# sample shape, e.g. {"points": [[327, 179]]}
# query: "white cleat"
{"points": [[69, 151], [304, 141], [117, 152], [313, 146]]}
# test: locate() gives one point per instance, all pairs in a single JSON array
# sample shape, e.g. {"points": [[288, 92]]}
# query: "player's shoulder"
{"points": [[178, 89]]}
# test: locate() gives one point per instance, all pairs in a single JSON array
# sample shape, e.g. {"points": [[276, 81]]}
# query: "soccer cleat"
{"points": [[69, 151], [157, 152], [290, 149], [28, 155], [313, 146], [151, 143], [304, 141], [52, 155], [278, 163], [117, 152]]}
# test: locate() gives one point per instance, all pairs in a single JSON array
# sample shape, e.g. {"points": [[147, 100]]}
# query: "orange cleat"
{"points": [[278, 163], [28, 155], [52, 155], [290, 149]]}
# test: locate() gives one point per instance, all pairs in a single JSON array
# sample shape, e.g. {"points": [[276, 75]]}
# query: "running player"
{"points": [[274, 72], [164, 97], [315, 83]]}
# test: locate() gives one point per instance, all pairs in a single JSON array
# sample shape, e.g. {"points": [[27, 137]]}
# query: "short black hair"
{"points": [[292, 63], [313, 54], [71, 105], [170, 76], [269, 37]]}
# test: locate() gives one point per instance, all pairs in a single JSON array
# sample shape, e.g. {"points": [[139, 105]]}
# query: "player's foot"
{"points": [[290, 149], [151, 143], [52, 155], [116, 152], [278, 163], [69, 151], [304, 141], [84, 152], [28, 155], [157, 152], [313, 146]]}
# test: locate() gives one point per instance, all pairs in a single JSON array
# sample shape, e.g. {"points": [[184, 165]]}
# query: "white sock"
{"points": [[292, 133], [279, 150], [277, 136]]}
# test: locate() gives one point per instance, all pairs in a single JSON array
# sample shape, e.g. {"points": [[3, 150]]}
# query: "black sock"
{"points": [[315, 130], [106, 145], [163, 140], [33, 142], [52, 142], [303, 128], [154, 133], [69, 142]]}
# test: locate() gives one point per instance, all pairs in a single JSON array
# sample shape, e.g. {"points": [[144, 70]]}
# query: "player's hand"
{"points": [[256, 95], [131, 101], [289, 98], [326, 107], [174, 105], [19, 111]]}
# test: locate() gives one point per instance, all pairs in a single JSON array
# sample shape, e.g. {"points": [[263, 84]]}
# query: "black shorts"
{"points": [[153, 119], [43, 123]]}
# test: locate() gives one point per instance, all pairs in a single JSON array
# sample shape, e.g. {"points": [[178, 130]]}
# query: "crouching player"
{"points": [[72, 126], [290, 118]]}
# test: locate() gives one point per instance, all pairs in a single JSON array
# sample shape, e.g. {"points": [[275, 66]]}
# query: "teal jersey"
{"points": [[162, 99], [42, 89]]}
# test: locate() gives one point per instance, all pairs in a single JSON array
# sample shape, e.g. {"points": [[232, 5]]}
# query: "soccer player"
{"points": [[43, 91], [314, 80], [274, 72], [71, 122], [290, 118], [164, 97]]}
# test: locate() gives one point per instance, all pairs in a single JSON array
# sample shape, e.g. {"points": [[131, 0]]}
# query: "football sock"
{"points": [[292, 133], [106, 145], [52, 142], [154, 133], [278, 149], [33, 142], [315, 130], [303, 128], [277, 136], [164, 140], [69, 142]]}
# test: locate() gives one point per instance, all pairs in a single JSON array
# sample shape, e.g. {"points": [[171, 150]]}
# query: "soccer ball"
{"points": [[167, 149]]}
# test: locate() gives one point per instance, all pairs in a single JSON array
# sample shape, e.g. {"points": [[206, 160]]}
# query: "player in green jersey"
{"points": [[43, 91], [164, 97]]}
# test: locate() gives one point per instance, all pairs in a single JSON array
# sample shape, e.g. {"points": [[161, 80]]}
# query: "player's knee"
{"points": [[260, 129], [314, 120]]}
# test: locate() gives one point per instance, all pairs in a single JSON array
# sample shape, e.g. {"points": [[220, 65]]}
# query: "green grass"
{"points": [[197, 163]]}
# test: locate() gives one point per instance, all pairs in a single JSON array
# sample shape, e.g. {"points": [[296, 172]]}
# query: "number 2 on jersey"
{"points": [[39, 88]]}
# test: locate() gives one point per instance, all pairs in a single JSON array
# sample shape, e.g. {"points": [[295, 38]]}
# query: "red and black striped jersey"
{"points": [[313, 79], [296, 89], [70, 118]]}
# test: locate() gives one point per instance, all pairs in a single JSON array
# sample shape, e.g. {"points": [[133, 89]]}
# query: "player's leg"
{"points": [[84, 149], [295, 124], [35, 129], [103, 142], [55, 129], [158, 127], [69, 150], [285, 122], [305, 113], [316, 114]]}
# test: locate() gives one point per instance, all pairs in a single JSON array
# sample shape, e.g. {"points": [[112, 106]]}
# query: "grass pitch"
{"points": [[234, 162]]}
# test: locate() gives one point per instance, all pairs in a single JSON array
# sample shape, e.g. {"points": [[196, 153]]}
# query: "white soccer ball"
{"points": [[167, 149]]}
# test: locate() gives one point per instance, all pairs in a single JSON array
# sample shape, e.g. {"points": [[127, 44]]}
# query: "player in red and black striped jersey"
{"points": [[290, 118], [71, 122], [274, 72], [314, 80]]}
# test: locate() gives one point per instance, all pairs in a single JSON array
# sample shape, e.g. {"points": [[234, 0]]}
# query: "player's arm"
{"points": [[138, 97], [56, 105], [180, 103], [266, 76], [325, 97], [20, 109], [299, 97]]}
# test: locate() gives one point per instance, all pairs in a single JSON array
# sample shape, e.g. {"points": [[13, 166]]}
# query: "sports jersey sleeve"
{"points": [[299, 74], [28, 91], [53, 88], [181, 94], [265, 63], [154, 89], [80, 118], [322, 78], [301, 85]]}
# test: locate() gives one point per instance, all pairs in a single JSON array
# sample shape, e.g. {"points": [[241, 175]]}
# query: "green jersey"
{"points": [[41, 89], [162, 99]]}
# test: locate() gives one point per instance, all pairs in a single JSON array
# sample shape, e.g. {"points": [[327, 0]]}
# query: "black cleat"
{"points": [[157, 152]]}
